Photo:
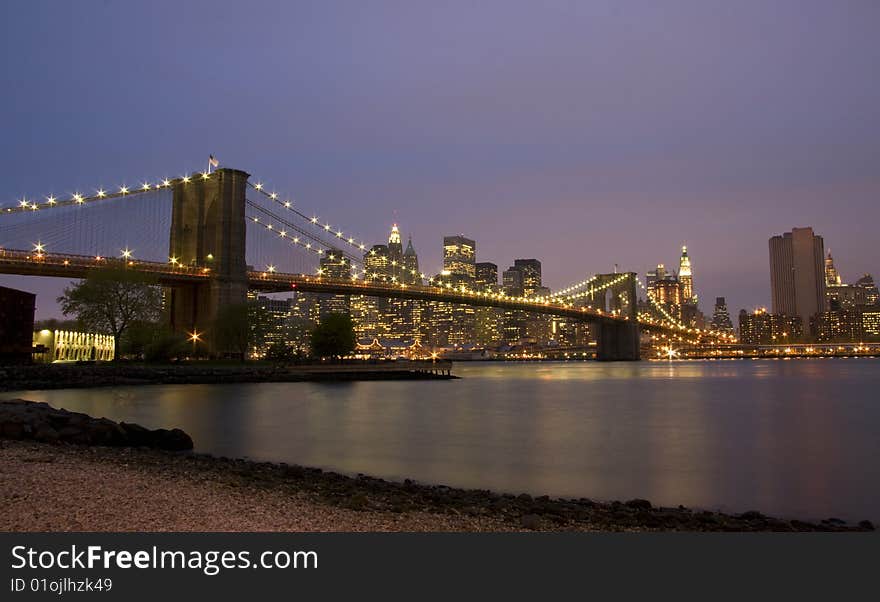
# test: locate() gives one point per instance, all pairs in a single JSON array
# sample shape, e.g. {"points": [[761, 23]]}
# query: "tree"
{"points": [[110, 300], [334, 337], [280, 352], [56, 324], [239, 327], [165, 346]]}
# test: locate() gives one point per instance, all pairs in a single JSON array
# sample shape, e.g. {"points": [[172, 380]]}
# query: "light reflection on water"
{"points": [[793, 438]]}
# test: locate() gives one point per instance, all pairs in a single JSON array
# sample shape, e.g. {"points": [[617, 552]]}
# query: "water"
{"points": [[793, 438]]}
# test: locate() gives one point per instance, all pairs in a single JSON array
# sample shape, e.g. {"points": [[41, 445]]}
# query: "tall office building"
{"points": [[797, 274], [486, 276], [333, 264], [512, 282], [411, 274], [721, 317], [395, 255], [531, 275], [872, 295], [686, 277], [459, 255], [487, 320], [514, 322], [377, 263], [761, 328], [397, 319], [832, 276], [653, 276]]}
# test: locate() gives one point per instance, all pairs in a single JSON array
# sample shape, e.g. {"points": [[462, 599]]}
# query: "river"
{"points": [[792, 438]]}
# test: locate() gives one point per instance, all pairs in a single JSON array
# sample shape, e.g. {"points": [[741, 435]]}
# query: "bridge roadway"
{"points": [[273, 282], [30, 263]]}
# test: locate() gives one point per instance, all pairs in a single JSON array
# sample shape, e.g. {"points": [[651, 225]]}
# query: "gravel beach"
{"points": [[75, 488], [66, 487]]}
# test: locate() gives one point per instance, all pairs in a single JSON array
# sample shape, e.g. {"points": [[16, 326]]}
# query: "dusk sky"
{"points": [[584, 133]]}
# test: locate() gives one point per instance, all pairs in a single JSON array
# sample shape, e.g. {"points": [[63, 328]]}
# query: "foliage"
{"points": [[165, 346], [56, 324], [139, 336], [334, 337], [239, 327], [110, 300], [281, 352]]}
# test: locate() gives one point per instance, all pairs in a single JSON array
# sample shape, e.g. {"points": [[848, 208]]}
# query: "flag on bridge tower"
{"points": [[212, 162]]}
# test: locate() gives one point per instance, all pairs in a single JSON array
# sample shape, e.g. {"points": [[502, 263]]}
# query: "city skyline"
{"points": [[565, 169]]}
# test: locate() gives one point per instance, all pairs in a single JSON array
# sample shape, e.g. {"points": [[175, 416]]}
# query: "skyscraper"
{"points": [[686, 277], [459, 255], [486, 276], [761, 328], [333, 264], [797, 273], [872, 295], [411, 274], [721, 317], [654, 275], [531, 275], [512, 280], [832, 276], [386, 317], [377, 263], [487, 320]]}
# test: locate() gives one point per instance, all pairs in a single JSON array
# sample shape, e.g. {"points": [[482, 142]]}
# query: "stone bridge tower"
{"points": [[208, 229], [616, 340]]}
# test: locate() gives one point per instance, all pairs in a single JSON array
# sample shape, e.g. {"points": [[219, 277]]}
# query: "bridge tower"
{"points": [[208, 229], [616, 341]]}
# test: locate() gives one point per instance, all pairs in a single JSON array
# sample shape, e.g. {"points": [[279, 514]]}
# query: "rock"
{"points": [[639, 504], [752, 515], [531, 521], [137, 434], [172, 440], [834, 521], [46, 434], [866, 525], [21, 419]]}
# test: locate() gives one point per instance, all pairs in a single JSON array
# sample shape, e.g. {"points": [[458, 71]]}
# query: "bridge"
{"points": [[208, 224]]}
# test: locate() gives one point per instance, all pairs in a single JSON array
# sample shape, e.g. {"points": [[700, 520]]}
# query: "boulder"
{"points": [[639, 504], [22, 419]]}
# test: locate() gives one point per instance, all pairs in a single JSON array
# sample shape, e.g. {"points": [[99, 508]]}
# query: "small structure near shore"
{"points": [[69, 346]]}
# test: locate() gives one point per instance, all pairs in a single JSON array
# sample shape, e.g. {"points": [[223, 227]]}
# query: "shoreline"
{"points": [[111, 374], [129, 489]]}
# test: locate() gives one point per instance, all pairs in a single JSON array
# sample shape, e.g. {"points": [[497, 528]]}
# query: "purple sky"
{"points": [[582, 133]]}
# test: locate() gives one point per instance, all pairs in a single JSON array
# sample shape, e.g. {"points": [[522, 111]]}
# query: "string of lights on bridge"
{"points": [[565, 291], [562, 298], [40, 253], [296, 241], [590, 292], [288, 204], [102, 194], [672, 321], [283, 223]]}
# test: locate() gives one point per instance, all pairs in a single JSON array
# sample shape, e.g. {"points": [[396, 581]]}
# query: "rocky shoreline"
{"points": [[363, 500], [37, 421], [75, 376]]}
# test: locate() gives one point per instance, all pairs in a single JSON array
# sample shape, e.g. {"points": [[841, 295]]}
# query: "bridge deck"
{"points": [[78, 266]]}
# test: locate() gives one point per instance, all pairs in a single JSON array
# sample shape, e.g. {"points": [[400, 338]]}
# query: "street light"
{"points": [[195, 337]]}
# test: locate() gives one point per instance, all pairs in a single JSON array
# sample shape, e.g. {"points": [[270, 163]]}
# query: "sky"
{"points": [[583, 133]]}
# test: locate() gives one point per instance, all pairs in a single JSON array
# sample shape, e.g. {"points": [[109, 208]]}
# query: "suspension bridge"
{"points": [[227, 235]]}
